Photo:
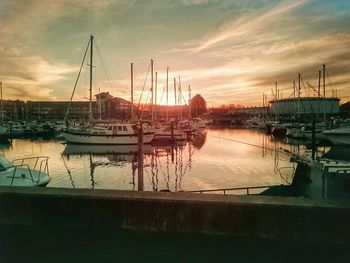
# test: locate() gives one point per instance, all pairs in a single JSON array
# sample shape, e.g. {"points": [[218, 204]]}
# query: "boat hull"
{"points": [[167, 136], [338, 136], [338, 139], [81, 138], [22, 177]]}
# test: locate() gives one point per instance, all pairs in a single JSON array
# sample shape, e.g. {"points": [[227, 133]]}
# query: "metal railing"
{"points": [[40, 164], [224, 190]]}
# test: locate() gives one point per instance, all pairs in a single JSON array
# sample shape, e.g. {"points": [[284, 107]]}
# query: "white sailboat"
{"points": [[110, 133], [121, 133], [165, 131]]}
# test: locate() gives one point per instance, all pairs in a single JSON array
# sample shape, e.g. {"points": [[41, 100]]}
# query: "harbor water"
{"points": [[215, 158]]}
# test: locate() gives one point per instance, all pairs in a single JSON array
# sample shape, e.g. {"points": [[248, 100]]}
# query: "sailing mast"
{"points": [[91, 66], [2, 109], [299, 87], [167, 94], [294, 99], [132, 92], [189, 101], [318, 94], [152, 113], [179, 97], [276, 97], [175, 96], [263, 103], [155, 97], [324, 92]]}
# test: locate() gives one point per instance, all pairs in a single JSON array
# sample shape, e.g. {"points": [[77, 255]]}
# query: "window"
{"points": [[120, 128], [124, 128]]}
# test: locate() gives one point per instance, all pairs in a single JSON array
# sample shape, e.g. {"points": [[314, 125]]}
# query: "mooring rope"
{"points": [[251, 144]]}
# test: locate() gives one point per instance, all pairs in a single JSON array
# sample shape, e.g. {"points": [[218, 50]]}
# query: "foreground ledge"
{"points": [[286, 218]]}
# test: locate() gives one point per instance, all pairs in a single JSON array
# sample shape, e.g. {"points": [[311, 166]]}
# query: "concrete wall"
{"points": [[255, 216]]}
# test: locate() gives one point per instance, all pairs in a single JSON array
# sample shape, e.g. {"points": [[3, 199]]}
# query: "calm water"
{"points": [[212, 159]]}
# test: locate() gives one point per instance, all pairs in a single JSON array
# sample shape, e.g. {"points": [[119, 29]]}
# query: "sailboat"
{"points": [[166, 131], [116, 133]]}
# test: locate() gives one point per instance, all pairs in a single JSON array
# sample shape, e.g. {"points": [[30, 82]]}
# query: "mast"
{"points": [[155, 97], [299, 76], [179, 97], [318, 93], [263, 101], [99, 105], [294, 97], [152, 112], [276, 96], [175, 94], [91, 66], [167, 94], [267, 106], [324, 92], [189, 101], [132, 92], [1, 105]]}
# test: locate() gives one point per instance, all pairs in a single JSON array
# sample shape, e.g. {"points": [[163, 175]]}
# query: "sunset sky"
{"points": [[228, 51]]}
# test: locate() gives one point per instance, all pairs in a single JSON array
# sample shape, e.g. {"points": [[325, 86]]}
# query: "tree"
{"points": [[198, 105]]}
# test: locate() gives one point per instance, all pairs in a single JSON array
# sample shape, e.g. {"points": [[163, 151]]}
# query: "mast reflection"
{"points": [[164, 166]]}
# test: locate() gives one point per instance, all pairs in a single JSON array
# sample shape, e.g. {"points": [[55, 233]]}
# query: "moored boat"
{"points": [[112, 133], [339, 136], [19, 172], [321, 178]]}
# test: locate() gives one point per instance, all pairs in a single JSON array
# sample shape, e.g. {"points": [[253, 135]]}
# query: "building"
{"points": [[56, 110], [250, 111], [109, 107], [305, 107], [12, 109], [345, 110], [105, 107]]}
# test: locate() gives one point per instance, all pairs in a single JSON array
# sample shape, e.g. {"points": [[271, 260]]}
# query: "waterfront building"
{"points": [[105, 107], [13, 110], [305, 107], [254, 111], [109, 107], [56, 110]]}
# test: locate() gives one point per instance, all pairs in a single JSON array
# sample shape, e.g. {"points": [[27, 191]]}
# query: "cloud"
{"points": [[29, 76], [228, 51], [248, 24], [29, 69], [198, 2]]}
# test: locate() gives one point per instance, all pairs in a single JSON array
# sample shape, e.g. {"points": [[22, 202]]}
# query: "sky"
{"points": [[229, 51]]}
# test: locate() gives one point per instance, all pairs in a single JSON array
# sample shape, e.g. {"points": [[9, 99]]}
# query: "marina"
{"points": [[174, 131], [214, 158]]}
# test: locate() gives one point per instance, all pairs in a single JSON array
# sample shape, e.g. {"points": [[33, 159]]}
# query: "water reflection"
{"points": [[198, 139], [112, 150], [212, 159], [167, 167], [159, 160]]}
